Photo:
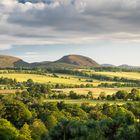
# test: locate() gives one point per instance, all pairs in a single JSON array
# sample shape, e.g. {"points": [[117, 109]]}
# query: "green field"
{"points": [[129, 75], [68, 79], [72, 80], [63, 79], [91, 102], [96, 91]]}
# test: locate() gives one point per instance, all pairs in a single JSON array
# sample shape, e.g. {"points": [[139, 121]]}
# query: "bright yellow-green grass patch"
{"points": [[91, 102], [129, 75], [40, 78], [63, 79], [83, 79]]}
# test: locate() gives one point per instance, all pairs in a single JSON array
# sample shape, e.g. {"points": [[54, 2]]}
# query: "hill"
{"points": [[10, 62], [78, 60], [69, 61]]}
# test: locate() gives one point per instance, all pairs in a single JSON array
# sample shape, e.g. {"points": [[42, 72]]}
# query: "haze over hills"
{"points": [[71, 61]]}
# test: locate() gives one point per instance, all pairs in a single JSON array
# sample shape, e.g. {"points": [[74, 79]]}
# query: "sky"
{"points": [[43, 30]]}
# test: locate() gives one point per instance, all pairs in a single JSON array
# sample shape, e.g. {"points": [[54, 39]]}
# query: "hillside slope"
{"points": [[78, 60], [10, 62], [69, 61]]}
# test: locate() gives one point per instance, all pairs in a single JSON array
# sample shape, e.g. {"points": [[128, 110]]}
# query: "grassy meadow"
{"points": [[91, 102], [96, 91], [74, 80], [129, 75], [61, 79], [71, 80]]}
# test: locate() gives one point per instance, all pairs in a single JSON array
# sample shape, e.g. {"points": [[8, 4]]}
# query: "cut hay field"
{"points": [[129, 75], [96, 91]]}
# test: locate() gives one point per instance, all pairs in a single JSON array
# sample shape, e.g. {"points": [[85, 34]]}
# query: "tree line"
{"points": [[27, 116]]}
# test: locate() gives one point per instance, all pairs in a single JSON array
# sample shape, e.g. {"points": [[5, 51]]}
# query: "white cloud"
{"points": [[41, 22]]}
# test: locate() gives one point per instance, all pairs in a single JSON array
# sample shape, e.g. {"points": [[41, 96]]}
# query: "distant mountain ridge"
{"points": [[71, 61]]}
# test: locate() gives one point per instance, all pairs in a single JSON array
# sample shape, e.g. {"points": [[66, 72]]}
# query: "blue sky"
{"points": [[41, 30]]}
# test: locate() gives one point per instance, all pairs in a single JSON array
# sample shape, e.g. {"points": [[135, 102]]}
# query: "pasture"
{"points": [[72, 80], [129, 75], [95, 91], [90, 102], [48, 78]]}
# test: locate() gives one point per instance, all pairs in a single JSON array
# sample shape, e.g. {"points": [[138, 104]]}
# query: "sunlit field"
{"points": [[129, 75], [42, 78], [71, 80], [96, 91], [62, 79], [91, 102]]}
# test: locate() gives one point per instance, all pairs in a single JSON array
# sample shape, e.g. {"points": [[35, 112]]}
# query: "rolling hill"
{"points": [[78, 60], [11, 62], [69, 61]]}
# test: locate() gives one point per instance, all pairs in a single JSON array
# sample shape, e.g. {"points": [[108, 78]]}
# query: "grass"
{"points": [[96, 91], [63, 79], [129, 75], [41, 78], [74, 80], [91, 102]]}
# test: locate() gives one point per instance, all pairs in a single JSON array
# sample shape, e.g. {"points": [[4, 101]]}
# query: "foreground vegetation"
{"points": [[25, 116], [54, 110], [29, 115]]}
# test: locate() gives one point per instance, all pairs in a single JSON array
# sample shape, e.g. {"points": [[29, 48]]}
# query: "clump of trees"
{"points": [[70, 95], [114, 85], [127, 82], [27, 116], [134, 95]]}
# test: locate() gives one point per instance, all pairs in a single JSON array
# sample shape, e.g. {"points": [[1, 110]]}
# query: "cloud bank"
{"points": [[40, 22]]}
